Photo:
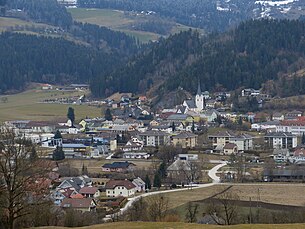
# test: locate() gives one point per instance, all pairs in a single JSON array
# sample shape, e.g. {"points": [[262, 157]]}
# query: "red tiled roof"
{"points": [[114, 183], [77, 196], [229, 146], [299, 122], [299, 152]]}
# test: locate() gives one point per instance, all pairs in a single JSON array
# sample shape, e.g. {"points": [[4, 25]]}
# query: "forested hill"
{"points": [[249, 56], [28, 58]]}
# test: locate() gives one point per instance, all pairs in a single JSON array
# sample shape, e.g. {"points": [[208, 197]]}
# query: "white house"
{"points": [[139, 183], [116, 188]]}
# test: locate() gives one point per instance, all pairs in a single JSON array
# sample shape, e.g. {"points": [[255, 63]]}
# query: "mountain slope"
{"points": [[252, 54]]}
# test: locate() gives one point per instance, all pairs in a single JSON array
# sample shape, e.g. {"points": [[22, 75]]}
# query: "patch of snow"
{"points": [[275, 3], [285, 10], [219, 8]]}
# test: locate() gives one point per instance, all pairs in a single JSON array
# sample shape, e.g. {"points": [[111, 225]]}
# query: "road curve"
{"points": [[212, 174]]}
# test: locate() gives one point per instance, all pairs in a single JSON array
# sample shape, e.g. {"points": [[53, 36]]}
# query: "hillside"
{"points": [[257, 52], [211, 15]]}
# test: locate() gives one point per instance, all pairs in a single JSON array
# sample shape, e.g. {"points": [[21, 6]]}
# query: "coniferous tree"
{"points": [[57, 135], [33, 154], [303, 138], [162, 170], [157, 180], [108, 115], [58, 154], [147, 183], [71, 115]]}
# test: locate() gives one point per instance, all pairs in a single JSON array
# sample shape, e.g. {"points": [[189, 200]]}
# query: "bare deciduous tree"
{"points": [[23, 180], [191, 212], [157, 207]]}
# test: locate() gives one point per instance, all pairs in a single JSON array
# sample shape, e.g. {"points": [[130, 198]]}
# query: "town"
{"points": [[99, 164]]}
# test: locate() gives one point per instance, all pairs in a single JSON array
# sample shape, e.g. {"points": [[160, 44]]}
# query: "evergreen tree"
{"points": [[108, 115], [147, 183], [33, 154], [157, 180], [84, 170], [71, 116], [303, 138], [173, 127], [162, 170], [58, 154], [57, 135], [193, 126]]}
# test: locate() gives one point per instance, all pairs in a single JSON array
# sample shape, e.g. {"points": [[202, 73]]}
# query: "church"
{"points": [[196, 104]]}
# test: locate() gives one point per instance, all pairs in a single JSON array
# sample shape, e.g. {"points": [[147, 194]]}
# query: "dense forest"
{"points": [[46, 11], [260, 52], [27, 58]]}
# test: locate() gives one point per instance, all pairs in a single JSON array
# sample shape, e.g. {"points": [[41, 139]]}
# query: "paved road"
{"points": [[212, 174]]}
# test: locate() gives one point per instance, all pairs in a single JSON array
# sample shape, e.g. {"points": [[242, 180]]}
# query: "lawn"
{"points": [[26, 106], [167, 225]]}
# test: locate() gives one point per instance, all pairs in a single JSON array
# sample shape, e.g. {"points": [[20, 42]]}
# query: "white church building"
{"points": [[196, 104]]}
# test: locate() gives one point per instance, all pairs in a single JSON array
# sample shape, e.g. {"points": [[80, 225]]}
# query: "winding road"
{"points": [[212, 173]]}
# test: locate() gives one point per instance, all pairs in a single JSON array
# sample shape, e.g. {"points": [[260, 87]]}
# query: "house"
{"points": [[118, 167], [280, 140], [220, 139], [229, 149], [187, 157], [155, 138], [40, 127], [294, 126], [74, 183], [116, 188], [46, 87], [284, 175], [139, 183], [278, 116], [136, 155], [185, 140], [281, 155], [80, 204], [250, 92], [59, 195], [269, 126], [210, 115], [90, 192], [293, 115]]}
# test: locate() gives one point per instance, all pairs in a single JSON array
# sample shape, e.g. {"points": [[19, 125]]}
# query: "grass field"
{"points": [[26, 106], [286, 194], [117, 20], [166, 225]]}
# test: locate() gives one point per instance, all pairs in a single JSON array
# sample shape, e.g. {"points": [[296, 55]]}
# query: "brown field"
{"points": [[286, 194], [167, 225]]}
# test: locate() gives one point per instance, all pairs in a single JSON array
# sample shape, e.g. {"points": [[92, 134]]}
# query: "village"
{"points": [[100, 163]]}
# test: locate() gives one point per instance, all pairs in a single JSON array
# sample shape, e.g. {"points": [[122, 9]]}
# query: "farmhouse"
{"points": [[116, 188]]}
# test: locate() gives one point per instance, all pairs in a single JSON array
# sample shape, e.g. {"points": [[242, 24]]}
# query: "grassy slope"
{"points": [[287, 194], [116, 20], [150, 225], [25, 106]]}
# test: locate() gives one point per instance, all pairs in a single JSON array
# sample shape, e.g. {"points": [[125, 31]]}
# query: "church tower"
{"points": [[199, 99]]}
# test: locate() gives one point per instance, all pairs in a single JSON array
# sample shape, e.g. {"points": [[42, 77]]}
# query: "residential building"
{"points": [[185, 140], [220, 139], [280, 140], [293, 115], [80, 204], [229, 149], [155, 138], [118, 167], [90, 192], [294, 126], [139, 183], [116, 188], [136, 155]]}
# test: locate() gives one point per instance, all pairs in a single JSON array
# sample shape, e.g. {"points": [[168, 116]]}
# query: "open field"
{"points": [[166, 225], [117, 20], [26, 106], [286, 194], [94, 166]]}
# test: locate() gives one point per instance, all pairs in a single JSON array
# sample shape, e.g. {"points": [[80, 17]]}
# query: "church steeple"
{"points": [[199, 88]]}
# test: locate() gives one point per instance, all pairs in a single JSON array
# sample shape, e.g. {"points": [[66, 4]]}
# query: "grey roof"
{"points": [[179, 165], [153, 133], [279, 134], [184, 135], [177, 117], [191, 103], [199, 88], [223, 134]]}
